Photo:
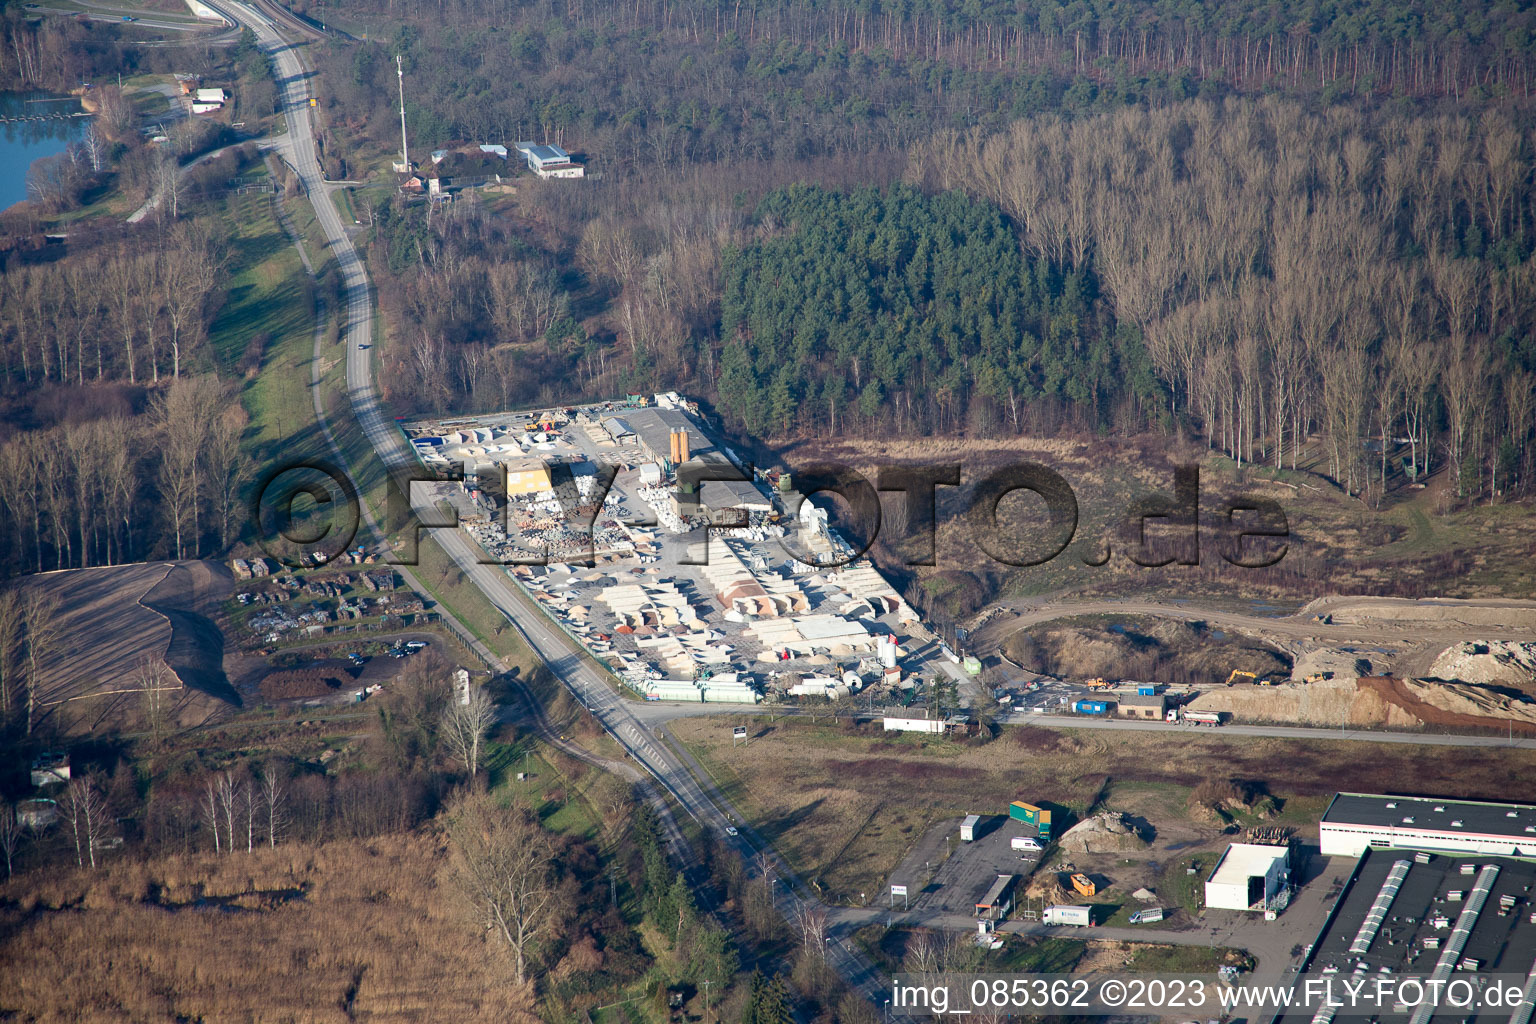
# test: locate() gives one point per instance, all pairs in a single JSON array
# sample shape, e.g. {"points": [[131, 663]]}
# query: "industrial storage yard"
{"points": [[678, 613]]}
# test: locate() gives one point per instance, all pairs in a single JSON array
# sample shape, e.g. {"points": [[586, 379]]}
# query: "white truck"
{"points": [[1026, 844], [1151, 915], [1079, 916], [1211, 718]]}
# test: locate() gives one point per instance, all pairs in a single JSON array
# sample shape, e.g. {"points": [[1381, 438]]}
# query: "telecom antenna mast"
{"points": [[404, 166]]}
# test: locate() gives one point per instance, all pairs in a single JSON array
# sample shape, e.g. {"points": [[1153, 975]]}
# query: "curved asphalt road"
{"points": [[641, 743]]}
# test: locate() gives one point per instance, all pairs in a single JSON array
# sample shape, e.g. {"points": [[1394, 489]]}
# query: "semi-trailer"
{"points": [[1029, 814]]}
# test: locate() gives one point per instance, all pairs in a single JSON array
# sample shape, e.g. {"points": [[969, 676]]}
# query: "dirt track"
{"points": [[1411, 630]]}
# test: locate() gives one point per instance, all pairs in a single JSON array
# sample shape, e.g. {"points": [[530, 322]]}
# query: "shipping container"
{"points": [[968, 827], [1067, 915], [1148, 689], [1090, 707], [1029, 814]]}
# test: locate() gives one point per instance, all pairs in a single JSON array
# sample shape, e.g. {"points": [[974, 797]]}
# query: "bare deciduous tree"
{"points": [[11, 832], [39, 619], [503, 865], [11, 622], [465, 725], [274, 796], [84, 808], [156, 684]]}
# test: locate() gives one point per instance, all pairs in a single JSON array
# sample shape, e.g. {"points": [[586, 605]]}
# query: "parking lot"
{"points": [[944, 874]]}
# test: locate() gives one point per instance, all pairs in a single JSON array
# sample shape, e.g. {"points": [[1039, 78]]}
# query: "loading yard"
{"points": [[597, 513]]}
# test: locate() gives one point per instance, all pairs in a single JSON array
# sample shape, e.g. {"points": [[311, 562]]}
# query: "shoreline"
{"points": [[41, 97]]}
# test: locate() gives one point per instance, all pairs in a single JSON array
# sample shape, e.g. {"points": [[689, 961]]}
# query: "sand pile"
{"points": [[1328, 702], [1048, 886], [1505, 662], [1469, 699], [1108, 832]]}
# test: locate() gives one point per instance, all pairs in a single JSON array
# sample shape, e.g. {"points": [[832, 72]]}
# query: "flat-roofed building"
{"points": [[527, 476], [1249, 876], [1356, 822]]}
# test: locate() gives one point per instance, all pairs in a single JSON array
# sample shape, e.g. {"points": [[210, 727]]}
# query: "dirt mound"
{"points": [[1107, 832], [1169, 650], [1456, 704], [302, 683], [188, 598], [1373, 701], [1047, 886], [1327, 702], [1496, 661]]}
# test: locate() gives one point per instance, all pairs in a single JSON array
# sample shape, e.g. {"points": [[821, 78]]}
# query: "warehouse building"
{"points": [[1356, 822], [1249, 876], [1428, 916], [655, 427]]}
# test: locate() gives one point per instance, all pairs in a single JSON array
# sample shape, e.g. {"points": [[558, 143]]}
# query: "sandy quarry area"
{"points": [[1441, 612], [1475, 684]]}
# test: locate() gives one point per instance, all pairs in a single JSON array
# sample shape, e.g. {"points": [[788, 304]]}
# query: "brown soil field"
{"points": [[844, 806], [112, 619], [347, 931]]}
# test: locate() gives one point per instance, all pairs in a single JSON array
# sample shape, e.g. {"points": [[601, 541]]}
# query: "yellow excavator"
{"points": [[1232, 679]]}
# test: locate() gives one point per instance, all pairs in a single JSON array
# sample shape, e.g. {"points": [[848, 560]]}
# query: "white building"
{"points": [[1356, 822], [930, 725], [1249, 876], [550, 161]]}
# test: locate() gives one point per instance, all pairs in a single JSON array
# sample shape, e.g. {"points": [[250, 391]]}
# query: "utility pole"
{"points": [[404, 166]]}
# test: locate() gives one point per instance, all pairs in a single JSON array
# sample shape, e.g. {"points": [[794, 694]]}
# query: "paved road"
{"points": [[656, 713], [542, 637]]}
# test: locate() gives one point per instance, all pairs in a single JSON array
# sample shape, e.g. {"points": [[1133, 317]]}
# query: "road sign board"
{"points": [[898, 890], [740, 732]]}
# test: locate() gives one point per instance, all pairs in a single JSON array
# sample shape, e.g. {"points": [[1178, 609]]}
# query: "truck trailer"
{"points": [[1212, 718], [968, 827], [1029, 814], [1078, 916]]}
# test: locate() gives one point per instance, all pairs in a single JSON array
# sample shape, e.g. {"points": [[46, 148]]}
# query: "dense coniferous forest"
{"points": [[1232, 220], [892, 307]]}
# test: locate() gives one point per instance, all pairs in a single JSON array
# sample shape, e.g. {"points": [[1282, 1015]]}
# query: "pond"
{"points": [[31, 126]]}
